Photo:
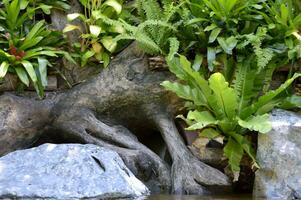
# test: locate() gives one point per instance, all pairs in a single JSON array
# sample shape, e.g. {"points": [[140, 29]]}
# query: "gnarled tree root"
{"points": [[125, 98]]}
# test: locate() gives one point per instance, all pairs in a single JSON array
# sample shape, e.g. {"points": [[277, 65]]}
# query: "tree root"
{"points": [[125, 98]]}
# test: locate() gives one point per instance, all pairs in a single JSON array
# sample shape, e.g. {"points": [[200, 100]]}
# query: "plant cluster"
{"points": [[218, 109], [26, 47], [96, 35], [224, 53], [236, 45]]}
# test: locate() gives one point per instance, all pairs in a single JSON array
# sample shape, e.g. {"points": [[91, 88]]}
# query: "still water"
{"points": [[171, 197]]}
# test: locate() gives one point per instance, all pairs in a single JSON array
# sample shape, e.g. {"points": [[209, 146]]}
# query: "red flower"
{"points": [[18, 54]]}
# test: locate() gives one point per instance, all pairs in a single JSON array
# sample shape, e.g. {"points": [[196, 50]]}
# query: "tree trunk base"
{"points": [[125, 100]]}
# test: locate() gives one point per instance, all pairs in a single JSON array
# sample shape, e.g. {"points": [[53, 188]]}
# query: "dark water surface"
{"points": [[174, 197]]}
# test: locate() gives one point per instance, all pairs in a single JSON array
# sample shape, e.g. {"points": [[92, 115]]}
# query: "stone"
{"points": [[279, 156], [67, 171]]}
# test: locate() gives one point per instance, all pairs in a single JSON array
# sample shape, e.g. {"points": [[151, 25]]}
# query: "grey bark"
{"points": [[125, 100]]}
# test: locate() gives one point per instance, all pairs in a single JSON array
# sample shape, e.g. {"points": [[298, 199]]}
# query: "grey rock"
{"points": [[67, 171], [279, 156]]}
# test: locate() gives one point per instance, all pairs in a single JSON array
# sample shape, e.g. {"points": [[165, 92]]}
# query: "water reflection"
{"points": [[174, 197]]}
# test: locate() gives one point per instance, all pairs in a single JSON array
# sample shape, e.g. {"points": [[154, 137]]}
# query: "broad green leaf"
{"points": [[23, 4], [260, 123], [30, 70], [40, 52], [229, 5], [46, 8], [210, 28], [213, 35], [234, 152], [34, 31], [97, 48], [224, 95], [115, 5], [74, 16], [87, 55], [13, 11], [246, 145], [39, 89], [109, 43], [201, 119], [3, 69], [70, 27], [22, 75], [209, 133], [31, 43], [211, 56], [185, 92], [194, 78], [227, 44], [196, 20], [284, 14], [291, 102], [95, 30], [84, 2], [269, 96], [181, 67], [106, 59], [43, 70], [198, 60]]}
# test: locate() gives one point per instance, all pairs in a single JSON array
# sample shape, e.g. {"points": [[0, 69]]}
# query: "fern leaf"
{"points": [[269, 97], [152, 9], [185, 92], [244, 84], [174, 45], [260, 123], [200, 119], [246, 146], [224, 95], [234, 152]]}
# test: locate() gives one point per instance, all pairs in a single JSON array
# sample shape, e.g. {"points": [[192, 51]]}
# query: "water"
{"points": [[227, 197]]}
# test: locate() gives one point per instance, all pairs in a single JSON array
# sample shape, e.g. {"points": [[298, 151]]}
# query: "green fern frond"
{"points": [[174, 45], [268, 76], [244, 83], [158, 24], [263, 55], [152, 9]]}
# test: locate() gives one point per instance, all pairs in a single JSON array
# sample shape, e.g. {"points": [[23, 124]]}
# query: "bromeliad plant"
{"points": [[231, 111], [97, 36], [25, 48]]}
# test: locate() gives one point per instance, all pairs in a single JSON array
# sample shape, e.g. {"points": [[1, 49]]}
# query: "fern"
{"points": [[214, 104], [155, 34], [151, 9], [174, 45], [244, 83], [263, 55]]}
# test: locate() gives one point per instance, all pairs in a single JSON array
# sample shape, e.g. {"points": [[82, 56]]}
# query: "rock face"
{"points": [[67, 171], [279, 155]]}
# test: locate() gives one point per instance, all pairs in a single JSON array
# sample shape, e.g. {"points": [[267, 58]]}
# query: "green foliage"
{"points": [[155, 27], [231, 30], [26, 48], [231, 111], [97, 38], [31, 7]]}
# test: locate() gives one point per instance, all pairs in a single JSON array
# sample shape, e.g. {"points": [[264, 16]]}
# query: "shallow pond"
{"points": [[227, 197]]}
